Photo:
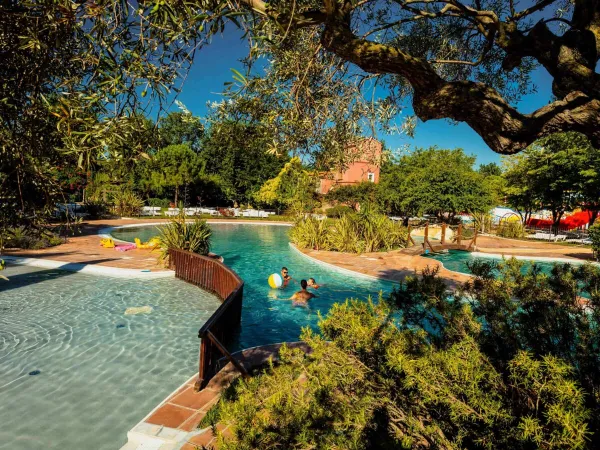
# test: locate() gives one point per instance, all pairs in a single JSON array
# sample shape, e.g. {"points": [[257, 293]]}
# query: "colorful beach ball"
{"points": [[275, 281]]}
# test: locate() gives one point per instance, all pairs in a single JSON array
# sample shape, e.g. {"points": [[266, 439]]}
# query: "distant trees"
{"points": [[172, 167], [558, 173], [434, 181], [294, 188]]}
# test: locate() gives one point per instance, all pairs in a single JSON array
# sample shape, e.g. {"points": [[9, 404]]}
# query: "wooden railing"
{"points": [[215, 277]]}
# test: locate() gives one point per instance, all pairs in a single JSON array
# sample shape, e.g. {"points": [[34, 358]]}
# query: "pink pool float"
{"points": [[125, 247]]}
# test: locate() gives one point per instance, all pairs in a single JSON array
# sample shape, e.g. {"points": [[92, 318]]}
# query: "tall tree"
{"points": [[557, 173], [180, 128], [239, 153], [435, 181], [173, 167], [466, 61]]}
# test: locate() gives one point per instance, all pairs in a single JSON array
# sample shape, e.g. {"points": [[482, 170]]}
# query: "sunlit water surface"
{"points": [[77, 373]]}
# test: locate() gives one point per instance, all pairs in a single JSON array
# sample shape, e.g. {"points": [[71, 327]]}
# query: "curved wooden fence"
{"points": [[215, 277]]}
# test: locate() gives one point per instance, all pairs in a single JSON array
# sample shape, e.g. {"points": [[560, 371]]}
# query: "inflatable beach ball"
{"points": [[275, 281]]}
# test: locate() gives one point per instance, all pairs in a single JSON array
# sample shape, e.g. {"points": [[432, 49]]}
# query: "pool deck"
{"points": [[84, 250]]}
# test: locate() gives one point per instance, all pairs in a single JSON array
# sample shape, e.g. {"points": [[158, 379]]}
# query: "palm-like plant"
{"points": [[193, 236]]}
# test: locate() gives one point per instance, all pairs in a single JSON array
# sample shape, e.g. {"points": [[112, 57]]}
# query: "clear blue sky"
{"points": [[214, 62]]}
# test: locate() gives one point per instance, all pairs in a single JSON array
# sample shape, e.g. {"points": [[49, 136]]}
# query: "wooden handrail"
{"points": [[215, 277]]}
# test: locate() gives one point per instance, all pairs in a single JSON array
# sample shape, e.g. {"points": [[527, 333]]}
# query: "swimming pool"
{"points": [[458, 260], [255, 252], [101, 371]]}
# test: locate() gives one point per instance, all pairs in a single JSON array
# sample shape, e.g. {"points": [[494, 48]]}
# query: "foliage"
{"points": [[558, 173], [173, 167], [230, 149], [30, 238], [294, 187], [507, 362], [338, 211], [353, 232], [364, 193], [180, 127], [594, 235], [490, 170], [126, 203], [310, 233], [180, 234], [511, 229], [96, 208], [160, 202], [433, 181]]}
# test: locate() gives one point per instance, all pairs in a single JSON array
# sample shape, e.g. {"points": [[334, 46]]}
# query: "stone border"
{"points": [[114, 272], [341, 269], [533, 259]]}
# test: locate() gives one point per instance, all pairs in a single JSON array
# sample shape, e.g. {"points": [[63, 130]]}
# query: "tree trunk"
{"points": [[556, 216], [594, 213], [176, 195]]}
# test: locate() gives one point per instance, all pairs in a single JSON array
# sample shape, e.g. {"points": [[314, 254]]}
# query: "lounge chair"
{"points": [[172, 212]]}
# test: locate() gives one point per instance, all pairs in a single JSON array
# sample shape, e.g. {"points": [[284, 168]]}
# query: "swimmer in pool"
{"points": [[285, 276], [313, 284], [302, 297]]}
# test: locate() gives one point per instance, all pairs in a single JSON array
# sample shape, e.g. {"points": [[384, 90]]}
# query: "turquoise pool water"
{"points": [[457, 261], [100, 371], [255, 252], [77, 373]]}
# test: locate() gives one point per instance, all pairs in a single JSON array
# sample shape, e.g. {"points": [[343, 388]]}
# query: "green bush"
{"points": [[30, 239], [338, 211], [184, 235], [594, 234], [126, 203], [352, 233], [507, 362], [511, 229], [310, 233], [96, 208], [160, 202]]}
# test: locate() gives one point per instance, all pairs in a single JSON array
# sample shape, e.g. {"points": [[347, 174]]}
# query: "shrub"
{"points": [[184, 235], [96, 208], [310, 233], [352, 233], [160, 202], [30, 239], [338, 211], [512, 229], [126, 203], [500, 364], [594, 234]]}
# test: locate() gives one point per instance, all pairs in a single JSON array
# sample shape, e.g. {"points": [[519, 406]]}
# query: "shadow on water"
{"points": [[37, 276]]}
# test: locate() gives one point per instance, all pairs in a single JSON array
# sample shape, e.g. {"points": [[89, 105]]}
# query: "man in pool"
{"points": [[285, 276], [302, 297], [313, 284]]}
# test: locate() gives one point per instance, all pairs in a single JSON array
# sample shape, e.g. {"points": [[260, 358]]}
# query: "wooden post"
{"points": [[443, 238], [459, 234]]}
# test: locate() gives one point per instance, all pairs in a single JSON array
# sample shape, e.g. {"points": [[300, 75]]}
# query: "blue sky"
{"points": [[213, 64]]}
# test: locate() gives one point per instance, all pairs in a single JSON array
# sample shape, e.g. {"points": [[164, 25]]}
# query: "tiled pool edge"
{"points": [[146, 435], [97, 270]]}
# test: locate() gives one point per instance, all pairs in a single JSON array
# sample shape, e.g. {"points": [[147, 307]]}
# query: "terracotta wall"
{"points": [[368, 158]]}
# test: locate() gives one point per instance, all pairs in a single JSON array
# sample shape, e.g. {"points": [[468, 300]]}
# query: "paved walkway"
{"points": [[84, 248]]}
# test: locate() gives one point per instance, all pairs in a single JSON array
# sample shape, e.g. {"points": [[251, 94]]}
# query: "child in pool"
{"points": [[302, 297], [313, 284]]}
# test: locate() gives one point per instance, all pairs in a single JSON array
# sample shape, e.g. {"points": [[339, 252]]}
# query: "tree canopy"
{"points": [[509, 361], [434, 181], [558, 173]]}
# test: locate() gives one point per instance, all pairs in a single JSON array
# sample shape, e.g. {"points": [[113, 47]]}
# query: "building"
{"points": [[364, 166]]}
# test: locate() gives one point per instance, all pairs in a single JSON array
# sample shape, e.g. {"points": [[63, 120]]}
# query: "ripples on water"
{"points": [[101, 371]]}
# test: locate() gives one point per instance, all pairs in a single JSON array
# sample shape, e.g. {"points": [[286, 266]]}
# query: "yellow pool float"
{"points": [[152, 243], [107, 243]]}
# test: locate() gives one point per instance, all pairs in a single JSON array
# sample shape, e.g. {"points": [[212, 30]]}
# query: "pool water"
{"points": [[255, 252], [457, 261], [75, 371]]}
